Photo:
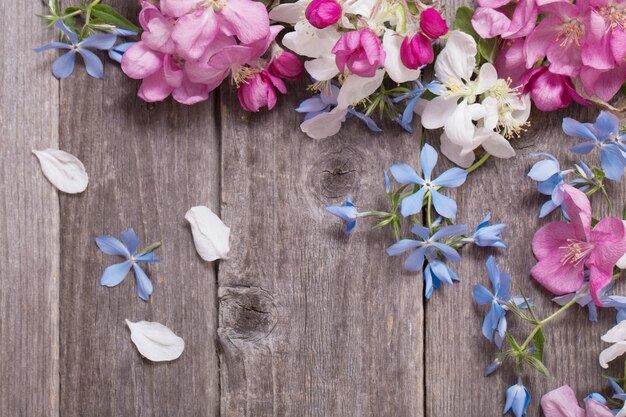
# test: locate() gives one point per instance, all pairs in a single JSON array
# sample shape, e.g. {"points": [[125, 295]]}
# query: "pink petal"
{"points": [[493, 4], [190, 93], [603, 84], [158, 35], [172, 73], [595, 409], [540, 39], [561, 402], [618, 44], [489, 23], [194, 33], [154, 88], [610, 239], [177, 8], [139, 61], [564, 60], [556, 277], [510, 61], [247, 19], [598, 279], [548, 240], [148, 12], [578, 209], [523, 21]]}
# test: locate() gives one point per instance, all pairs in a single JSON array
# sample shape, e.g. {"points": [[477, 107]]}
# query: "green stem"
{"points": [[150, 248], [429, 200], [478, 163], [74, 13]]}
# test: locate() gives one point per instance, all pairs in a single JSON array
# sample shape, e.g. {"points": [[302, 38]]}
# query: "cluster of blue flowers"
{"points": [[603, 135], [436, 242]]}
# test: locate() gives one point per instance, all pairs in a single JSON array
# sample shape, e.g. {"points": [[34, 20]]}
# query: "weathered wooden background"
{"points": [[299, 321]]}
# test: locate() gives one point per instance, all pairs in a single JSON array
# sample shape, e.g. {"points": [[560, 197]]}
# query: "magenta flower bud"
{"points": [[432, 24], [360, 51], [323, 13], [416, 51], [259, 90], [287, 65]]}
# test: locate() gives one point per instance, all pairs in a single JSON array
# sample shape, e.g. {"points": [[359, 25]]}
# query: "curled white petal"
{"points": [[155, 341], [308, 41], [616, 334], [323, 68], [355, 88], [610, 353], [397, 71], [457, 60], [324, 125], [289, 12], [63, 170], [210, 235]]}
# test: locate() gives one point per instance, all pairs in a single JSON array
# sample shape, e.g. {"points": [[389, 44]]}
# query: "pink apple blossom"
{"points": [[510, 62], [562, 402], [323, 13], [416, 50], [432, 24], [549, 91], [564, 250], [259, 90], [494, 18], [285, 64], [359, 51]]}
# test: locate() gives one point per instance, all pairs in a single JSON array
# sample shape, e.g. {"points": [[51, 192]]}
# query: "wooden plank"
{"points": [[312, 323], [456, 354], [29, 220], [148, 165]]}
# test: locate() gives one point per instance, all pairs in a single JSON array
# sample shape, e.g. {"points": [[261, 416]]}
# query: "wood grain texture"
{"points": [[456, 354], [148, 165], [29, 220], [311, 323]]}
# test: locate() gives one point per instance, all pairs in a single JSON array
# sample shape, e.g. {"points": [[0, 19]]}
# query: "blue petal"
{"points": [[92, 63], [428, 282], [547, 208], [345, 213], [115, 274], [449, 252], [118, 51], [312, 104], [331, 98], [111, 246], [441, 271], [64, 65], [349, 227], [606, 124], [402, 246], [99, 41], [484, 222], [576, 129], [147, 257], [504, 292], [73, 37], [621, 315], [449, 231], [123, 32], [593, 312], [616, 387], [452, 178], [408, 114], [130, 240], [421, 231], [387, 181], [415, 261], [428, 159], [369, 122], [493, 272], [543, 170], [309, 116], [482, 295], [499, 336], [144, 285], [612, 162], [493, 366], [413, 203], [490, 323], [443, 205], [583, 148], [405, 174], [490, 236], [547, 187], [53, 45]]}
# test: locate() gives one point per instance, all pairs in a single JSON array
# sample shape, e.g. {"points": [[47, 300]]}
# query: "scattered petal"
{"points": [[210, 234], [63, 170], [155, 341]]}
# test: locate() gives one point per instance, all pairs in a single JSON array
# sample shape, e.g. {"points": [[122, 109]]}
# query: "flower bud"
{"points": [[360, 51], [416, 51], [287, 65], [323, 13], [259, 90], [432, 24]]}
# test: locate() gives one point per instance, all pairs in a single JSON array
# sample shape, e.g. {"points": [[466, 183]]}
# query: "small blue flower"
{"points": [[603, 134], [551, 179], [326, 101], [486, 235], [435, 273], [387, 182], [64, 65], [493, 366], [428, 247], [117, 51], [619, 392], [451, 178], [517, 400], [127, 247], [347, 212], [494, 325], [414, 96], [583, 299], [585, 176]]}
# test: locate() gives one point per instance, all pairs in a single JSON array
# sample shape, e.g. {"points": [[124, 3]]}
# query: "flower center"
{"points": [[241, 74], [571, 32], [215, 4], [615, 17], [576, 251]]}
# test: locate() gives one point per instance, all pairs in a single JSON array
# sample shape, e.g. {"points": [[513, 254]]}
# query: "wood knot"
{"points": [[246, 314], [336, 175]]}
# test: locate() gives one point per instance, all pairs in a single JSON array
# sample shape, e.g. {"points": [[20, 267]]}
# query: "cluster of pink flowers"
{"points": [[188, 48], [575, 51]]}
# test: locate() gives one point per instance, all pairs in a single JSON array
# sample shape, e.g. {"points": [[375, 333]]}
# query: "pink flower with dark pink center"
{"points": [[323, 13], [360, 52], [565, 250], [549, 91], [285, 64], [259, 90], [432, 24], [416, 50]]}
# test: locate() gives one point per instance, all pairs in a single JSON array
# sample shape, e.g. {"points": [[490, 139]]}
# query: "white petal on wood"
{"points": [[210, 234], [610, 353], [63, 170], [616, 333], [155, 341]]}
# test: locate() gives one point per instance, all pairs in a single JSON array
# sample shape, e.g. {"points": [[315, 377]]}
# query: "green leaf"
{"points": [[539, 340], [54, 7], [537, 364], [488, 49], [512, 342], [463, 21], [105, 14]]}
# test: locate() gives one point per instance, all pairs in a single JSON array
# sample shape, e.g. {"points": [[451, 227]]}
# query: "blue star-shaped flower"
{"points": [[347, 212], [451, 178], [127, 247], [487, 235]]}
